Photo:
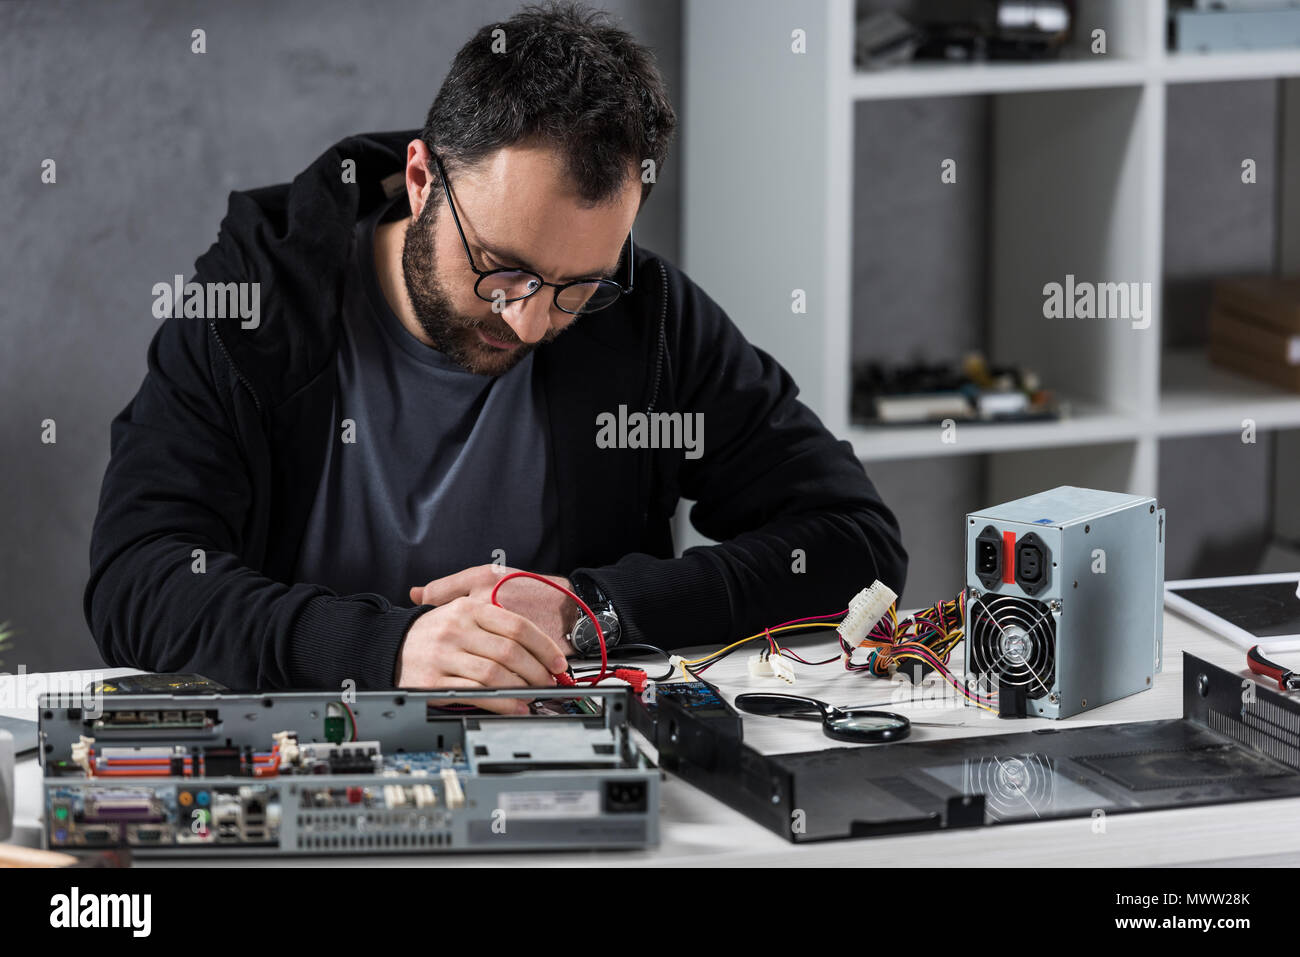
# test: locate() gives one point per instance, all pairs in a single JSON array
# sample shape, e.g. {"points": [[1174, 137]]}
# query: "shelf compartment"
{"points": [[937, 78], [1128, 29], [1087, 424], [1200, 398], [1246, 65]]}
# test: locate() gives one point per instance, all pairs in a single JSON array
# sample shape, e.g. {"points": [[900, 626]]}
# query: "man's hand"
{"points": [[468, 642], [552, 611]]}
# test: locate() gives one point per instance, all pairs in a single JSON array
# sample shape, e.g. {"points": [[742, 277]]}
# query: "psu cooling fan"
{"points": [[1012, 642]]}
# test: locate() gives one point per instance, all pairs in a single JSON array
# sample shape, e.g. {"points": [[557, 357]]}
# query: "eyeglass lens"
{"points": [[510, 286]]}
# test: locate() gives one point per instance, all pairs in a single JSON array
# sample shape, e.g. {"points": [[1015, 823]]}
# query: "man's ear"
{"points": [[420, 175]]}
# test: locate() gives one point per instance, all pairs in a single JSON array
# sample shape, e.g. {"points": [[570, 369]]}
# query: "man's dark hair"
{"points": [[567, 78]]}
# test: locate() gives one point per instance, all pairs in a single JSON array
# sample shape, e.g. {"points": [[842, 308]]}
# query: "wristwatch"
{"points": [[583, 634]]}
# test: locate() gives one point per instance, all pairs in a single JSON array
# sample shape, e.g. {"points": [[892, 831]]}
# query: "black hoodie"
{"points": [[214, 462]]}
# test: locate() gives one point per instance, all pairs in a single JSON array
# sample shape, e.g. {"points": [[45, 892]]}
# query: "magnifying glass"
{"points": [[843, 724]]}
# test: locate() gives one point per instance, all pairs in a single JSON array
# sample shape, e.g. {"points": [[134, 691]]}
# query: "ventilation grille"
{"points": [[1163, 769], [386, 840], [391, 830], [1013, 641], [1264, 727]]}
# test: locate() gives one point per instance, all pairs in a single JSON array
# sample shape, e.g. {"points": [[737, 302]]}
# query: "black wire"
{"points": [[595, 669], [713, 660], [644, 648], [582, 673], [640, 646]]}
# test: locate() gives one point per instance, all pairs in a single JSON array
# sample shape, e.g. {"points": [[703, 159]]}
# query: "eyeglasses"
{"points": [[579, 297]]}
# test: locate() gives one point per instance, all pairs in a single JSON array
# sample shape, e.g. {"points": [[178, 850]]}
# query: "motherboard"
{"points": [[314, 773]]}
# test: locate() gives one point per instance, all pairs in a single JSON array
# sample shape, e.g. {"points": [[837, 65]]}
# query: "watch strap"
{"points": [[590, 592]]}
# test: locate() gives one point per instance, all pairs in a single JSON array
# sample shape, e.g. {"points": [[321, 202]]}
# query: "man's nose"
{"points": [[530, 318]]}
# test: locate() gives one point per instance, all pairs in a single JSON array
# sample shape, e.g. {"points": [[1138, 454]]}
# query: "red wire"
{"points": [[796, 621], [351, 717], [604, 659], [786, 652]]}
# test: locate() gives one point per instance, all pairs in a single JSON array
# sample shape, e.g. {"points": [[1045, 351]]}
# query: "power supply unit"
{"points": [[1063, 610]]}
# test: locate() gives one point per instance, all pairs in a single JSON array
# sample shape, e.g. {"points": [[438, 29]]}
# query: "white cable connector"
{"points": [[288, 744], [679, 663], [81, 754], [867, 607], [451, 788], [781, 668], [767, 665]]}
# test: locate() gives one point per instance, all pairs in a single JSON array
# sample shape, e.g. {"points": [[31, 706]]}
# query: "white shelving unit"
{"points": [[1078, 187]]}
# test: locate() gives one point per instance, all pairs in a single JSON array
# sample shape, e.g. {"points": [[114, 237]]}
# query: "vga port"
{"points": [[148, 834], [99, 834]]}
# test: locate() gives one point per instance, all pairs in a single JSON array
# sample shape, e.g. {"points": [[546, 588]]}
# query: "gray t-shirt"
{"points": [[445, 467]]}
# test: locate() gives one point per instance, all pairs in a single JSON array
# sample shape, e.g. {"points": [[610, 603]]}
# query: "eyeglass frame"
{"points": [[558, 287]]}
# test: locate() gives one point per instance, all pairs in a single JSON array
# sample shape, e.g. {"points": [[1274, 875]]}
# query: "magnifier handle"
{"points": [[778, 705]]}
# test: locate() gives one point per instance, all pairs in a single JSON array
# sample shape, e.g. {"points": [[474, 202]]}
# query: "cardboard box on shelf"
{"points": [[1255, 329]]}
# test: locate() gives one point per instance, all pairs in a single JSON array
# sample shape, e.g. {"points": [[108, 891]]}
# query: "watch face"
{"points": [[584, 634]]}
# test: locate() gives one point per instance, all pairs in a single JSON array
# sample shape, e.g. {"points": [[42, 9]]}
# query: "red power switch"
{"points": [[1009, 558]]}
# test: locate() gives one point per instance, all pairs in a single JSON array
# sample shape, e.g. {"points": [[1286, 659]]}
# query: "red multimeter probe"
{"points": [[636, 677]]}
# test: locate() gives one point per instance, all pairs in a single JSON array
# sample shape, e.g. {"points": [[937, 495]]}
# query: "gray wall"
{"points": [[149, 138], [1215, 226]]}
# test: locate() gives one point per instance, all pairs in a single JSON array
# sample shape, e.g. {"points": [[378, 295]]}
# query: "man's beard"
{"points": [[453, 334]]}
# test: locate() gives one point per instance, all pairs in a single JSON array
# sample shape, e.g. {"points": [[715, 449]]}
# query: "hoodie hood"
{"points": [[294, 240]]}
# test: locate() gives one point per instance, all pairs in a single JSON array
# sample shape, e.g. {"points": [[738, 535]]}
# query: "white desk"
{"points": [[700, 831]]}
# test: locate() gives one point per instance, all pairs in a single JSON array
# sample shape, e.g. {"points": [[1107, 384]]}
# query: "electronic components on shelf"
{"points": [[973, 390]]}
